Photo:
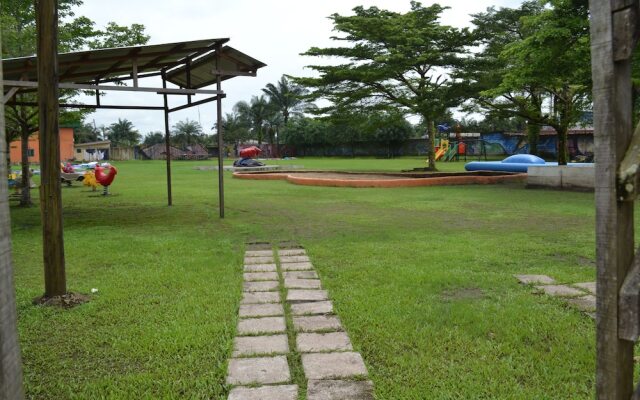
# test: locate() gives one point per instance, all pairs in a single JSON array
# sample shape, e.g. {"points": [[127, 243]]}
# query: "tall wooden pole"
{"points": [[10, 364], [220, 141], [611, 71], [50, 195], [167, 141]]}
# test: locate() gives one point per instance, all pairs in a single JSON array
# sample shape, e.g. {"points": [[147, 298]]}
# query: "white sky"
{"points": [[272, 31]]}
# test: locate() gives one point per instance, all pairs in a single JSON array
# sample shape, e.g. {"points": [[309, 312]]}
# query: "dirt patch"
{"points": [[68, 300], [289, 245], [462, 294]]}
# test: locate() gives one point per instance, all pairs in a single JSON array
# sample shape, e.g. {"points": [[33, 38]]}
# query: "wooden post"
{"points": [[50, 195], [167, 140], [10, 364], [614, 219], [220, 141]]}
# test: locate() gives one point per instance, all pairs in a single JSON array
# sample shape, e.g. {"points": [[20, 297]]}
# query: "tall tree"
{"points": [[395, 61], [123, 134], [188, 133], [18, 26], [256, 113], [287, 97], [153, 138], [236, 129]]}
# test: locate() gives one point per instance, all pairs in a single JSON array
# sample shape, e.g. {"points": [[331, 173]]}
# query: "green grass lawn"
{"points": [[420, 277]]}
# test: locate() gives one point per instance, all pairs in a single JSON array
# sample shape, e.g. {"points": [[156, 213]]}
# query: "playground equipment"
{"points": [[247, 156], [105, 179], [90, 180]]}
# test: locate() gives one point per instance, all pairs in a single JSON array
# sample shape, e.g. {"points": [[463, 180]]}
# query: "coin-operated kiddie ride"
{"points": [[247, 158]]}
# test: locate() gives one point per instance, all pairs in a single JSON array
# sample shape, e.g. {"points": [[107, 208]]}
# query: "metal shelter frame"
{"points": [[191, 66]]}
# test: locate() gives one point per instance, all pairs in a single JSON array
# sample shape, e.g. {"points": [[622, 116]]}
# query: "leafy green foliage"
{"points": [[394, 61], [187, 133], [255, 113], [123, 134], [153, 138], [287, 98]]}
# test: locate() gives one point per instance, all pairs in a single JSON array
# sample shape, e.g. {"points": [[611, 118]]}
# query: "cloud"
{"points": [[273, 31]]}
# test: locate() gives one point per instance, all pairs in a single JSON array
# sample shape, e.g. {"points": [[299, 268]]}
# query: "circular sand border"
{"points": [[382, 180]]}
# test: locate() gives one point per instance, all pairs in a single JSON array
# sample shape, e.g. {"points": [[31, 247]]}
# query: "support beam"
{"points": [[90, 106], [10, 363], [614, 221], [50, 195], [167, 142], [220, 140], [196, 103], [81, 86]]}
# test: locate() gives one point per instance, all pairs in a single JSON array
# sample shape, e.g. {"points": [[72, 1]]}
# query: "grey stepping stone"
{"points": [[339, 390], [530, 279], [261, 370], [303, 295], [585, 303], [560, 290], [316, 307], [588, 286], [317, 323], [260, 297], [301, 275], [279, 392], [258, 253], [292, 252], [261, 286], [294, 259], [260, 345], [261, 310], [297, 266], [333, 365], [252, 326], [317, 342], [260, 268], [258, 260], [302, 283], [260, 276]]}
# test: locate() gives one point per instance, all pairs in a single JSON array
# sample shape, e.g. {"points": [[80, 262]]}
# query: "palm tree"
{"points": [[123, 133], [188, 132], [256, 113], [287, 97]]}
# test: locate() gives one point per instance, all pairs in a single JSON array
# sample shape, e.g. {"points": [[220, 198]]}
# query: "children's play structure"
{"points": [[247, 158]]}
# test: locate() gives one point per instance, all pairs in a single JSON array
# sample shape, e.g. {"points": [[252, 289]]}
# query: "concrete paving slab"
{"points": [[317, 323], [261, 286], [294, 259], [261, 310], [252, 326], [560, 290], [585, 303], [316, 307], [258, 253], [333, 365], [531, 279], [260, 345], [258, 260], [302, 283], [304, 295], [260, 268], [292, 252], [318, 342], [301, 275], [261, 370], [339, 390], [278, 392], [297, 266], [588, 286], [260, 297], [260, 276]]}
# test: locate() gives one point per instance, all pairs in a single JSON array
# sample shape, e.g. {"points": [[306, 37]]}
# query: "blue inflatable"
{"points": [[515, 163]]}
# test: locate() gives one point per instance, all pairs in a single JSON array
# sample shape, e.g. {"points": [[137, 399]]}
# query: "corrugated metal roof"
{"points": [[203, 69], [88, 66]]}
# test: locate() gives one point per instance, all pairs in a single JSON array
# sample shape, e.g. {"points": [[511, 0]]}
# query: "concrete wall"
{"points": [[562, 177]]}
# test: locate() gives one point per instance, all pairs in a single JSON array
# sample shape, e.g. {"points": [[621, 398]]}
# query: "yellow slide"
{"points": [[440, 153]]}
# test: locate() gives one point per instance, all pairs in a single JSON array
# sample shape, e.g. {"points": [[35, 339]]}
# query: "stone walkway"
{"points": [[579, 295], [262, 358]]}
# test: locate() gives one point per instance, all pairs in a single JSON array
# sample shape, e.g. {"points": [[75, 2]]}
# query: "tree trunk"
{"points": [[533, 134], [563, 156], [10, 363], [25, 199], [431, 149]]}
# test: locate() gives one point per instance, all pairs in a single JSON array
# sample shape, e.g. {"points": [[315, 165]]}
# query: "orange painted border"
{"points": [[384, 183]]}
